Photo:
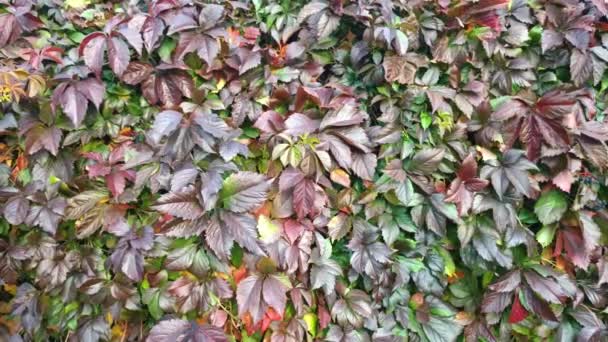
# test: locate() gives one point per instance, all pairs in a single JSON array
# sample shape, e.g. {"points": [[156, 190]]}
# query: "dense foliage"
{"points": [[282, 170]]}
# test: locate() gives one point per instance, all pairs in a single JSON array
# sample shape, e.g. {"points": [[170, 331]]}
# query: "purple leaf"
{"points": [[244, 191]]}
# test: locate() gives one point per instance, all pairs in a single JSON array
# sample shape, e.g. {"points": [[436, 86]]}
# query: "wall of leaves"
{"points": [[284, 170]]}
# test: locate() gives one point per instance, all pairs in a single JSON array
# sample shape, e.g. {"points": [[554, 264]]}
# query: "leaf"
{"points": [[546, 235], [303, 197], [165, 123], [118, 55], [244, 191], [347, 115], [242, 228], [257, 292], [518, 313], [310, 9], [268, 230], [341, 177], [364, 165], [182, 204], [427, 161], [551, 206], [73, 97], [137, 72], [339, 226], [74, 105], [47, 216], [15, 210], [368, 254], [402, 69], [581, 66], [495, 302], [546, 288], [206, 47], [40, 137], [352, 309], [324, 270], [540, 123], [462, 188], [181, 330], [92, 49], [129, 254], [511, 170], [538, 306], [94, 329]]}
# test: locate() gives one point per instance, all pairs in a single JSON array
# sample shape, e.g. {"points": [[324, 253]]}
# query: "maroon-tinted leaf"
{"points": [[205, 46], [402, 69], [244, 191], [164, 124], [352, 308], [369, 255], [427, 161], [73, 97], [47, 215], [476, 330], [507, 283], [346, 116], [257, 292], [243, 230], [538, 124], [496, 302], [182, 204], [41, 137], [93, 329], [546, 288], [511, 170], [137, 72], [182, 331], [537, 306], [465, 185], [304, 197], [364, 165], [92, 49], [15, 209], [581, 66], [128, 256], [26, 306]]}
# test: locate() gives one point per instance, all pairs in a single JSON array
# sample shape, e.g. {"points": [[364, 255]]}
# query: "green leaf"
{"points": [[311, 323], [154, 306], [546, 234], [166, 48], [551, 206], [449, 266], [426, 120]]}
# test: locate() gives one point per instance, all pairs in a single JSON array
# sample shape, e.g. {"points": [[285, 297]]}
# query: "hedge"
{"points": [[284, 170]]}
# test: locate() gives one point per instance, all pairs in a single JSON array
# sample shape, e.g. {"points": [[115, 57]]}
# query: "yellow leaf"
{"points": [[268, 230], [485, 153], [76, 4], [12, 289], [311, 323], [117, 331], [341, 177]]}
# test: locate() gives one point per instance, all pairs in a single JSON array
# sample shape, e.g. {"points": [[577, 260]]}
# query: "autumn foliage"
{"points": [[287, 170]]}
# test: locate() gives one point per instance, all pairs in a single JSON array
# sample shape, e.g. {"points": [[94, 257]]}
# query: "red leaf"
{"points": [[518, 312], [303, 197], [575, 247], [239, 274]]}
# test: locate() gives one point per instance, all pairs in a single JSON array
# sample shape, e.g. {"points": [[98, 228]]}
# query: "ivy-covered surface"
{"points": [[276, 170]]}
